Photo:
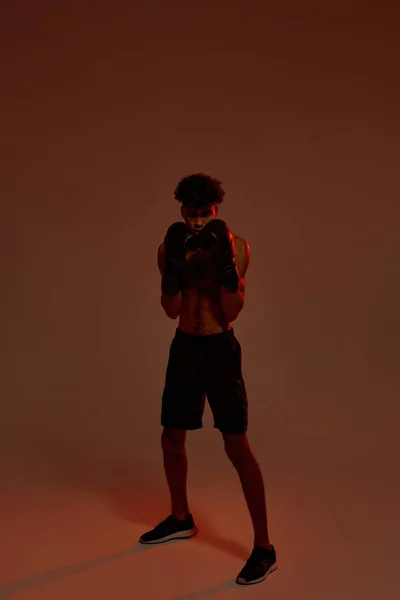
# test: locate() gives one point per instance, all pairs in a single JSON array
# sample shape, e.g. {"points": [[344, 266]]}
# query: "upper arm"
{"points": [[161, 258], [242, 260]]}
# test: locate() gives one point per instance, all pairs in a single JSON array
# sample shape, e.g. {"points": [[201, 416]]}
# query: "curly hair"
{"points": [[199, 190]]}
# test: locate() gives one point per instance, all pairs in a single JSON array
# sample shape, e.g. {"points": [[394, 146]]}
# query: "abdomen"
{"points": [[201, 312]]}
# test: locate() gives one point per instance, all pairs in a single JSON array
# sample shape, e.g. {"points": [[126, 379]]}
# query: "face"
{"points": [[195, 219]]}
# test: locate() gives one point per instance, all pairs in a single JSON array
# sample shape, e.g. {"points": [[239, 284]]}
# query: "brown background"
{"points": [[295, 108]]}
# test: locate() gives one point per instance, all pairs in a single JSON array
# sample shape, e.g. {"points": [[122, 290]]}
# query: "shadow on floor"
{"points": [[20, 585], [132, 493], [128, 492], [138, 503], [10, 588], [209, 592]]}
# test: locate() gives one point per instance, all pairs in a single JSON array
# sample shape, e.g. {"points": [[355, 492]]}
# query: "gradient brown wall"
{"points": [[104, 108]]}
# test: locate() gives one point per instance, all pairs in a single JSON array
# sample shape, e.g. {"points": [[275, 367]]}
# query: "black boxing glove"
{"points": [[217, 236], [175, 257]]}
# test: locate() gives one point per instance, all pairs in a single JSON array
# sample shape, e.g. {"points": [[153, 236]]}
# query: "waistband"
{"points": [[204, 339]]}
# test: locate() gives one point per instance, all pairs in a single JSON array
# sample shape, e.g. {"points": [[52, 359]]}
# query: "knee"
{"points": [[173, 441], [237, 448]]}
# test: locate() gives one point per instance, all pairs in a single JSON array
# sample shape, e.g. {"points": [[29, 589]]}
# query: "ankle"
{"points": [[180, 516], [263, 545]]}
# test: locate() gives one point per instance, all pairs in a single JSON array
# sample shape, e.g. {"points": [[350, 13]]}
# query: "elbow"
{"points": [[171, 312], [232, 306], [232, 316], [171, 305]]}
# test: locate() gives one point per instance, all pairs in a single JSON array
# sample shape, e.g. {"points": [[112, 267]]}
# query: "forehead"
{"points": [[192, 210]]}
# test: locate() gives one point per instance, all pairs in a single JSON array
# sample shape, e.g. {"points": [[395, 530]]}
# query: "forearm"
{"points": [[231, 303], [171, 304]]}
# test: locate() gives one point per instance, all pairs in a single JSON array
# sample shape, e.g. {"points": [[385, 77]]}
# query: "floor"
{"points": [[69, 528]]}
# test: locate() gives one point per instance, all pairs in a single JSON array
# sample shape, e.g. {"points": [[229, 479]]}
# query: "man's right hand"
{"points": [[175, 242]]}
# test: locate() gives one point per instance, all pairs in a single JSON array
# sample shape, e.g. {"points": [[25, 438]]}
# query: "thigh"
{"points": [[183, 397], [228, 403], [182, 408], [226, 390]]}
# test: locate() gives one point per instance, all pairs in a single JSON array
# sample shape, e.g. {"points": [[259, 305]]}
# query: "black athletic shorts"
{"points": [[201, 366]]}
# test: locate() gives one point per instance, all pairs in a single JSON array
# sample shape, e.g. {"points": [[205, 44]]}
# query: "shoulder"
{"points": [[242, 251], [242, 247], [161, 256]]}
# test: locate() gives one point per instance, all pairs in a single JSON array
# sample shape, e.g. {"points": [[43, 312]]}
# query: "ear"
{"points": [[182, 211]]}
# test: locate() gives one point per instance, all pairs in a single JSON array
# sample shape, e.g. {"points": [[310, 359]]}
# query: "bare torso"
{"points": [[201, 312]]}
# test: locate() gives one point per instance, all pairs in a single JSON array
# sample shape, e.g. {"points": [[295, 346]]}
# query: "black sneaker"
{"points": [[170, 529], [260, 564]]}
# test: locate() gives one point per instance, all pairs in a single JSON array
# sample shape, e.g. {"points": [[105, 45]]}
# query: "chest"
{"points": [[200, 270]]}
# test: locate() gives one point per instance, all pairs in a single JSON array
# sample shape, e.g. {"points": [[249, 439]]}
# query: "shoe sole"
{"points": [[179, 535], [242, 581]]}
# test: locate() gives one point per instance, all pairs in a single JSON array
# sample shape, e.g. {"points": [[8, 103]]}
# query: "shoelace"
{"points": [[256, 555]]}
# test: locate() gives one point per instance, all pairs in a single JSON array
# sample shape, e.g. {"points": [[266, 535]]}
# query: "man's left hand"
{"points": [[217, 237]]}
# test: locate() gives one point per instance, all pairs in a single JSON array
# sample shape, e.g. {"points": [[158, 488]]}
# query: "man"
{"points": [[203, 267]]}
